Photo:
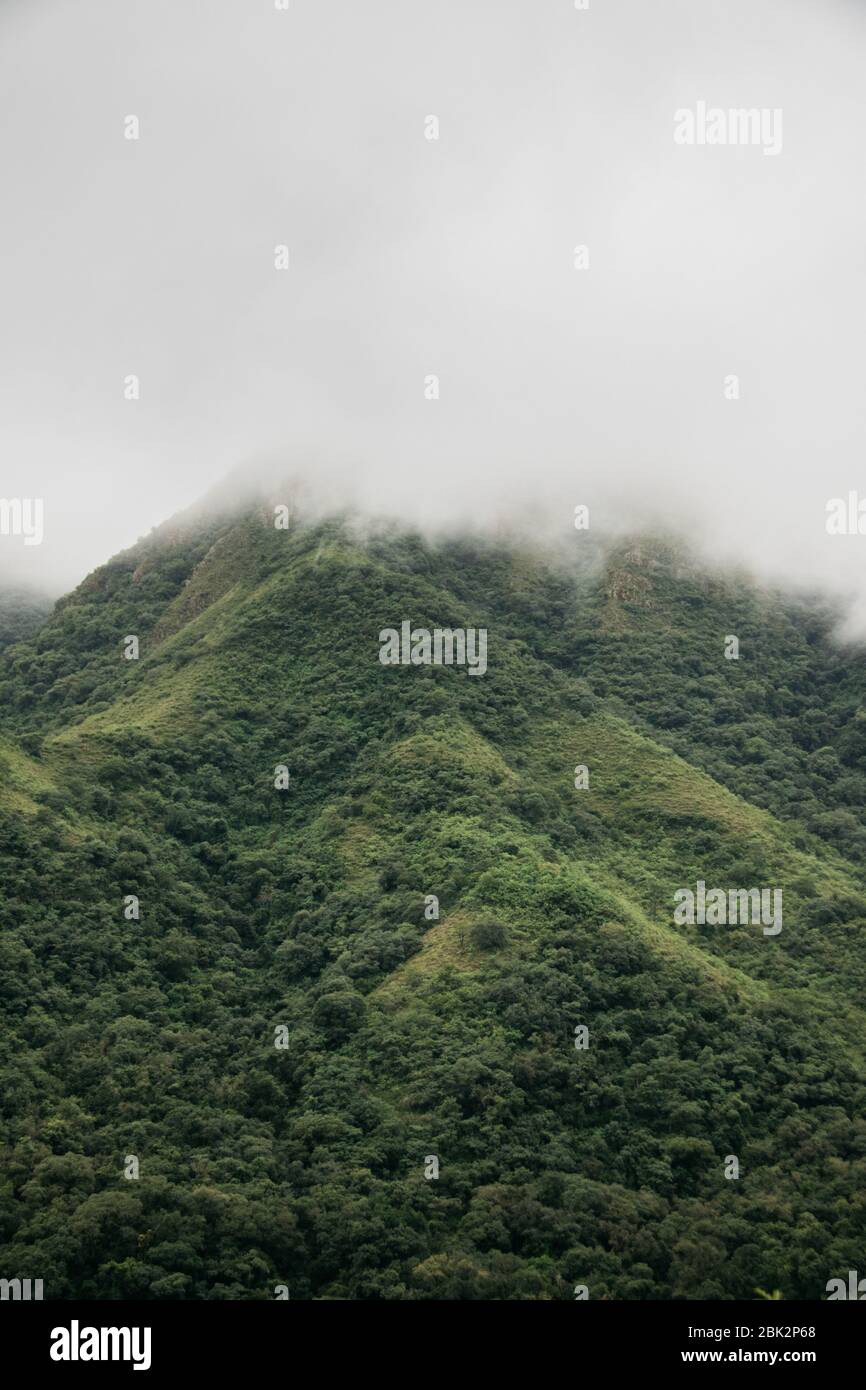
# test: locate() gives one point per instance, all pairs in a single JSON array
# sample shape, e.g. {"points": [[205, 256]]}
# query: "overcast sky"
{"points": [[455, 257]]}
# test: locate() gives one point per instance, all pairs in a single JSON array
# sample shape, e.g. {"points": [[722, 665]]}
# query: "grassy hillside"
{"points": [[411, 1036]]}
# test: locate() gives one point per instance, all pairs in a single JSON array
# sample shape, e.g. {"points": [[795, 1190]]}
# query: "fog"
{"points": [[411, 257]]}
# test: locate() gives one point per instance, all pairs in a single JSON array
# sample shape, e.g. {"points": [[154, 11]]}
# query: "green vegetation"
{"points": [[22, 610], [410, 1036]]}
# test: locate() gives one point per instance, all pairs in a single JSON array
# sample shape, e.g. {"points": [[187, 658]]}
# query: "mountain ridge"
{"points": [[408, 1036]]}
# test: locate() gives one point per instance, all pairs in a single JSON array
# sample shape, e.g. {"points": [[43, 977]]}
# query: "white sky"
{"points": [[452, 257]]}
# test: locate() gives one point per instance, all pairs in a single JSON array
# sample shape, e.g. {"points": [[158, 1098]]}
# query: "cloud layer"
{"points": [[452, 257]]}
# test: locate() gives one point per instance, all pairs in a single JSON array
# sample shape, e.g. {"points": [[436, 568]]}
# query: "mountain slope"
{"points": [[411, 1037], [22, 610]]}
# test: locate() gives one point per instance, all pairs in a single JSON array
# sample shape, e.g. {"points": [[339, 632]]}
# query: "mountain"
{"points": [[22, 609], [241, 1050]]}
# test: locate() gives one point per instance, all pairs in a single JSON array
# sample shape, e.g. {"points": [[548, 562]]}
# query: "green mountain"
{"points": [[22, 610], [252, 1082]]}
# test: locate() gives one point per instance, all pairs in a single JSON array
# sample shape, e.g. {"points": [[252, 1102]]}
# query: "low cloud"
{"points": [[602, 376]]}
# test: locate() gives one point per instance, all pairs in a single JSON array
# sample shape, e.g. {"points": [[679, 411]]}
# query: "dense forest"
{"points": [[22, 610], [321, 1031]]}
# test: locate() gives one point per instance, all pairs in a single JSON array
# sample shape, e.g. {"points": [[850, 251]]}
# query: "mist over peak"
{"points": [[509, 290]]}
